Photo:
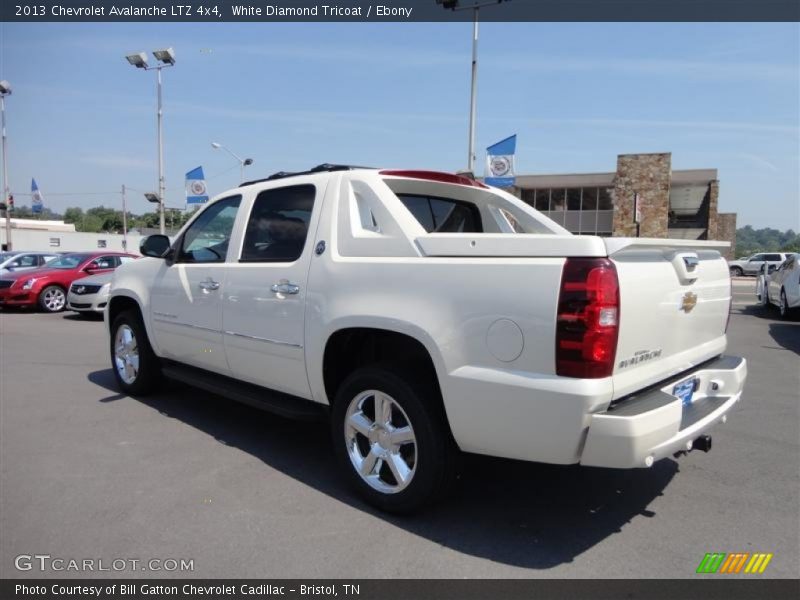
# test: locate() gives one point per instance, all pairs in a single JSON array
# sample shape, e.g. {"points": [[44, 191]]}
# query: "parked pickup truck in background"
{"points": [[425, 314]]}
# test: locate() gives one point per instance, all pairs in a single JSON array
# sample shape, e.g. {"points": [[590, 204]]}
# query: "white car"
{"points": [[781, 287], [425, 313], [15, 262], [755, 264], [90, 294]]}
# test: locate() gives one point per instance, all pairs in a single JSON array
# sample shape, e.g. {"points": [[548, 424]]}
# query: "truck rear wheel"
{"points": [[390, 439]]}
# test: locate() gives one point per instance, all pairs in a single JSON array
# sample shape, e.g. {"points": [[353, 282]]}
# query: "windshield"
{"points": [[69, 261], [4, 256]]}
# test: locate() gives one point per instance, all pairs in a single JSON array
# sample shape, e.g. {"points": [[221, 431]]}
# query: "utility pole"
{"points": [[165, 58], [5, 90], [161, 186], [475, 6], [473, 101], [124, 219]]}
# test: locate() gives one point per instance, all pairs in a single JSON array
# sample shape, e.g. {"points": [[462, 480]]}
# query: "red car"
{"points": [[48, 285]]}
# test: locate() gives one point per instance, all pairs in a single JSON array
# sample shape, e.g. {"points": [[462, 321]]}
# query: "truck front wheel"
{"points": [[390, 439], [136, 367]]}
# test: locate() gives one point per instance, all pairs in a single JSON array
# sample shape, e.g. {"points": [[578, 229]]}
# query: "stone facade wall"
{"points": [[726, 230], [713, 215], [648, 175]]}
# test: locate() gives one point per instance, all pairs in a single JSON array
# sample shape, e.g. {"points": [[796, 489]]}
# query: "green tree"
{"points": [[73, 215], [90, 224]]}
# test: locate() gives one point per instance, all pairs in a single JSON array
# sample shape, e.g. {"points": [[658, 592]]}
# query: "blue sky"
{"points": [[291, 96]]}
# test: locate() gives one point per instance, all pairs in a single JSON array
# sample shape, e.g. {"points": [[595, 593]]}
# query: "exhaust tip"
{"points": [[703, 443]]}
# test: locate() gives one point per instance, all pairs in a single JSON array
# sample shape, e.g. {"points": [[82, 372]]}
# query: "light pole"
{"points": [[165, 58], [243, 162], [5, 90], [455, 5]]}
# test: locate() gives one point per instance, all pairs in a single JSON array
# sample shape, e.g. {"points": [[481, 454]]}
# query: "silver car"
{"points": [[14, 262], [90, 294]]}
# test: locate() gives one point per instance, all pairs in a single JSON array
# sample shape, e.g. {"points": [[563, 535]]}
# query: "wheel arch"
{"points": [[125, 300], [352, 347]]}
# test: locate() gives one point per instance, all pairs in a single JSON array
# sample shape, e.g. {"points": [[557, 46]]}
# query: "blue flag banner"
{"points": [[36, 198], [500, 163], [196, 187]]}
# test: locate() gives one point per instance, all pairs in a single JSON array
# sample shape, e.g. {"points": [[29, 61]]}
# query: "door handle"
{"points": [[209, 285], [284, 287]]}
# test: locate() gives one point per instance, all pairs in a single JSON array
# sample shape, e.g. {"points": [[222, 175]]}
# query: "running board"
{"points": [[259, 397]]}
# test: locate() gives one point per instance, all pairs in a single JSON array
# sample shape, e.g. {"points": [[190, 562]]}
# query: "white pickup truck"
{"points": [[425, 313]]}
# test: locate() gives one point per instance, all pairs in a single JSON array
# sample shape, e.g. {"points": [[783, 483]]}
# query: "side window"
{"points": [[125, 259], [757, 257], [103, 262], [441, 215], [24, 261], [208, 236], [278, 224], [773, 257]]}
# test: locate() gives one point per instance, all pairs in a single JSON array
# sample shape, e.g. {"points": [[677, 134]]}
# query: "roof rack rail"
{"points": [[323, 168]]}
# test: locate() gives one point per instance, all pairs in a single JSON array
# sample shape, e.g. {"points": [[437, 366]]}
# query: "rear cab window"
{"points": [[443, 215], [278, 224], [445, 203]]}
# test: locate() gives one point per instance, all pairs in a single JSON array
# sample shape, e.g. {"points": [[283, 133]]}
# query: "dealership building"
{"points": [[680, 204]]}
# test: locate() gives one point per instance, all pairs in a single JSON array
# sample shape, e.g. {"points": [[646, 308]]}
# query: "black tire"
{"points": [[736, 271], [763, 297], [435, 454], [148, 375], [783, 306], [52, 299]]}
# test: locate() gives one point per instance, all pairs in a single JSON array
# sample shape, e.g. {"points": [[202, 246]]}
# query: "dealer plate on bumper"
{"points": [[685, 390]]}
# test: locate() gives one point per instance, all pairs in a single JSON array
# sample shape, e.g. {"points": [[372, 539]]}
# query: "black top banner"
{"points": [[397, 10]]}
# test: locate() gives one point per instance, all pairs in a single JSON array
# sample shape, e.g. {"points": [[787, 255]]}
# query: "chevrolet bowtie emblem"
{"points": [[80, 289], [689, 302]]}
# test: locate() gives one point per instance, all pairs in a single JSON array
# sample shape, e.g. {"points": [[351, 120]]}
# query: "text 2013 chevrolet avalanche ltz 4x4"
{"points": [[425, 314]]}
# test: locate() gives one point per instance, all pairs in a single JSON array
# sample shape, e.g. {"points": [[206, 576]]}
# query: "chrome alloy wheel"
{"points": [[54, 299], [380, 441], [126, 354]]}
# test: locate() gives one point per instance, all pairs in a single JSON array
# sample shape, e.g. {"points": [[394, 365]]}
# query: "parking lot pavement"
{"points": [[86, 472]]}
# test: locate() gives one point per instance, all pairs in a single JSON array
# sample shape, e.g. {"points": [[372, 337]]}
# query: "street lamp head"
{"points": [[216, 145], [166, 56], [138, 60], [151, 197], [448, 4], [5, 88], [248, 162]]}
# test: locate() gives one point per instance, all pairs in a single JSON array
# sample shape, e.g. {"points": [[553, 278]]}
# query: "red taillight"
{"points": [[436, 176], [588, 318]]}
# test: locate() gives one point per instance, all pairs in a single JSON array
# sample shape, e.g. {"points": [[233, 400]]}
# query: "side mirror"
{"points": [[91, 268], [156, 246]]}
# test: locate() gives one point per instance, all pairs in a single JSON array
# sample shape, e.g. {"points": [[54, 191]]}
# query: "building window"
{"points": [[529, 197], [543, 200], [55, 242], [101, 243], [605, 199], [557, 200], [574, 199], [589, 199]]}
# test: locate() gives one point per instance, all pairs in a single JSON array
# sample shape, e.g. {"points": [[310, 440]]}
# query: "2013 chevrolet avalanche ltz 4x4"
{"points": [[426, 313]]}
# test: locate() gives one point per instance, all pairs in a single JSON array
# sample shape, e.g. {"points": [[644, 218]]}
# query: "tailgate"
{"points": [[674, 303]]}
